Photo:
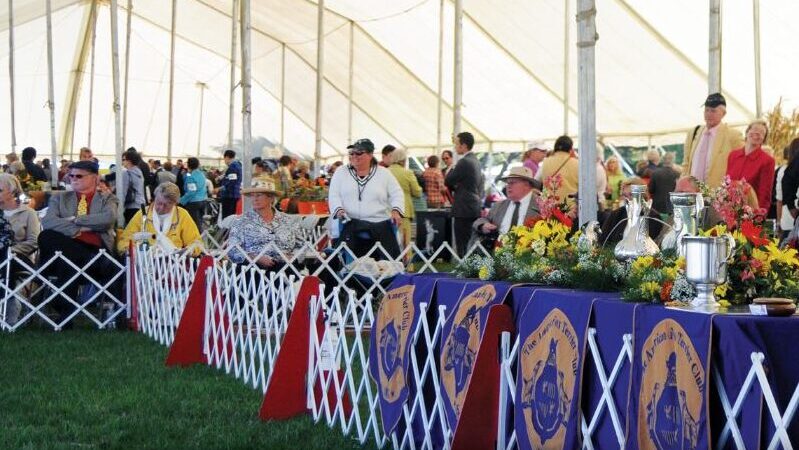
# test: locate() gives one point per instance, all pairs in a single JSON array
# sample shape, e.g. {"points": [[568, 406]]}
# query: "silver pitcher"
{"points": [[688, 209], [706, 261], [636, 241]]}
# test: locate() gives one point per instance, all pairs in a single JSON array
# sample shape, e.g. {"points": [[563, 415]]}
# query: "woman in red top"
{"points": [[752, 164]]}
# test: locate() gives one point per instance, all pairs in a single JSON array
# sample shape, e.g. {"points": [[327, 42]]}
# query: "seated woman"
{"points": [[19, 231], [262, 234], [165, 226]]}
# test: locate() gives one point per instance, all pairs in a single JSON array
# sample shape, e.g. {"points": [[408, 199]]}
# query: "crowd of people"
{"points": [[370, 201]]}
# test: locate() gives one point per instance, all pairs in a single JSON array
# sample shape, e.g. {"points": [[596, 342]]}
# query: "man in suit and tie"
{"points": [[466, 180], [708, 146], [78, 224], [522, 203]]}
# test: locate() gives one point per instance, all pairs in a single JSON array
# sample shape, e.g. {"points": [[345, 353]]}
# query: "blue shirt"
{"points": [[231, 183], [194, 188]]}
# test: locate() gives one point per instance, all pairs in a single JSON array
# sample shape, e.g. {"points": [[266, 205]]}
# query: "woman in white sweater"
{"points": [[368, 200]]}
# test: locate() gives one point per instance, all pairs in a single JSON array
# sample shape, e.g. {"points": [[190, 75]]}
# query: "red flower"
{"points": [[753, 233], [531, 221], [665, 291], [563, 218], [747, 275]]}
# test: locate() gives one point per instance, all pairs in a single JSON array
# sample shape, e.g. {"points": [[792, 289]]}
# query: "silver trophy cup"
{"points": [[706, 261]]}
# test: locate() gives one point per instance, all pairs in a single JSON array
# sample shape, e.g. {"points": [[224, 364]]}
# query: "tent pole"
{"points": [[566, 48], [320, 67], [11, 73], [283, 98], [127, 72], [457, 97], [202, 87], [117, 119], [91, 81], [714, 48], [246, 103], [171, 79], [232, 93], [758, 91], [351, 76], [75, 79], [439, 89], [586, 96], [51, 96]]}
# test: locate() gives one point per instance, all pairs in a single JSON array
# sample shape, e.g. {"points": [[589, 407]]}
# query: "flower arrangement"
{"points": [[659, 278], [733, 200], [758, 266]]}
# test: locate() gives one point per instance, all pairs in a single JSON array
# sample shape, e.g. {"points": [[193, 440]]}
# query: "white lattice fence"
{"points": [[162, 285], [339, 364], [28, 292], [247, 312]]}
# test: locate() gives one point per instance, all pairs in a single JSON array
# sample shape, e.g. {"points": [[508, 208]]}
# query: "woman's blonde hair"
{"points": [[168, 190], [758, 122]]}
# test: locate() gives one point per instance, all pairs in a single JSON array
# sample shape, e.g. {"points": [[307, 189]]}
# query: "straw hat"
{"points": [[265, 185]]}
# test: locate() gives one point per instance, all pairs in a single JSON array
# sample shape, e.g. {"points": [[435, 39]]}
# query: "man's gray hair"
{"points": [[668, 159], [168, 191]]}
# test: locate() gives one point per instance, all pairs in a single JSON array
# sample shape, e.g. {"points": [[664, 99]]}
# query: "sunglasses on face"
{"points": [[76, 176], [356, 153]]}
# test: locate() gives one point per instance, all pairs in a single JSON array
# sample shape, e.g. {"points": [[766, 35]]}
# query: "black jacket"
{"points": [[466, 180], [36, 172]]}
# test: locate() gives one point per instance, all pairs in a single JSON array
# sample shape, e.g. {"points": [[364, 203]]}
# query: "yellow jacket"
{"points": [[410, 187], [183, 231], [727, 140]]}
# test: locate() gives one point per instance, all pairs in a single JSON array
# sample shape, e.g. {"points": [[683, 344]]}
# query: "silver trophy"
{"points": [[706, 261], [687, 211], [636, 241]]}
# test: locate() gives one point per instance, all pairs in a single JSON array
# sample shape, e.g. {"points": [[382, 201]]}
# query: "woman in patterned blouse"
{"points": [[263, 236]]}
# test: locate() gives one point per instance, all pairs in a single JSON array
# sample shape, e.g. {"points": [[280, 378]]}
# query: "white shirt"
{"points": [[371, 198], [524, 205]]}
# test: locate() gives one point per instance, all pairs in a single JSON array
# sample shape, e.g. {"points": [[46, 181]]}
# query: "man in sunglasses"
{"points": [[368, 199], [79, 223]]}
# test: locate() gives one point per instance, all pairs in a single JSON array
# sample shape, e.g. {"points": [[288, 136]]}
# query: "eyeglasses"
{"points": [[76, 176], [356, 153]]}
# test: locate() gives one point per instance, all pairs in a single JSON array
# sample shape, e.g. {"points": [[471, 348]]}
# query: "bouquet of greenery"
{"points": [[658, 279]]}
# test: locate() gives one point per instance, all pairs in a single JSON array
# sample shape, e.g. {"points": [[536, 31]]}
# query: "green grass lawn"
{"points": [[89, 389]]}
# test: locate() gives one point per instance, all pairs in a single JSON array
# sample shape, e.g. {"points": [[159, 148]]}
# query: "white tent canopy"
{"points": [[651, 72]]}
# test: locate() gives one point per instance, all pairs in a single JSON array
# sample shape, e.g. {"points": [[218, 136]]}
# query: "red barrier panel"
{"points": [[477, 426], [285, 395], [133, 323], [187, 348]]}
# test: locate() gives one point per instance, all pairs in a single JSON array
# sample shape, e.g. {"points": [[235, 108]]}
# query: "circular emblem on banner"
{"points": [[549, 359], [672, 389], [394, 320], [461, 346]]}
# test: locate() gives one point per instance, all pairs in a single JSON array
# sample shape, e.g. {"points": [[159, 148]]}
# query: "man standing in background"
{"points": [[466, 180], [230, 186]]}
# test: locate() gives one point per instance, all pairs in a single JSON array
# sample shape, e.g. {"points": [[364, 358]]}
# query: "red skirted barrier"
{"points": [[187, 348], [477, 425]]}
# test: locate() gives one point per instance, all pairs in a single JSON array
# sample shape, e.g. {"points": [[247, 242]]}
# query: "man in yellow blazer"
{"points": [[708, 146], [167, 227]]}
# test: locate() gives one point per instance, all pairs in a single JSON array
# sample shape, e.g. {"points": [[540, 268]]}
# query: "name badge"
{"points": [[233, 177]]}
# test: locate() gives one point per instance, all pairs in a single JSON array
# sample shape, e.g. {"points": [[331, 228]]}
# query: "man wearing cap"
{"points": [[523, 191], [367, 199], [79, 223], [536, 152], [708, 146], [467, 182]]}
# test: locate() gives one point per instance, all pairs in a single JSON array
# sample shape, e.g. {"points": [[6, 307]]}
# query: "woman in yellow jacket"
{"points": [[410, 187], [167, 227]]}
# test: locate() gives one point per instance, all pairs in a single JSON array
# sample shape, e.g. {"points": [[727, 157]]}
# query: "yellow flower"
{"points": [[641, 263], [670, 272], [483, 273], [721, 290], [717, 230], [650, 288], [724, 304], [787, 256]]}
